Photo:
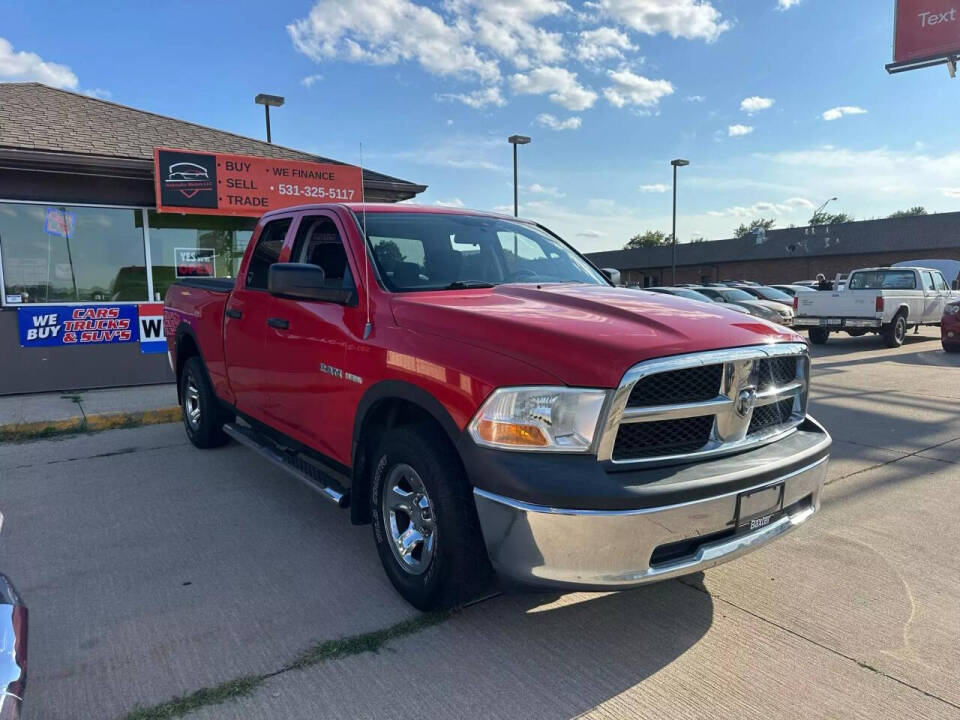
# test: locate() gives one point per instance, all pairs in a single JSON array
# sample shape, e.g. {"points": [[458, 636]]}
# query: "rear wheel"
{"points": [[895, 332], [424, 521], [951, 347], [818, 335], [203, 416]]}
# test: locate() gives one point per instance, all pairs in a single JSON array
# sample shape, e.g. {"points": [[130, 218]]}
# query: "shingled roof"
{"points": [[37, 117]]}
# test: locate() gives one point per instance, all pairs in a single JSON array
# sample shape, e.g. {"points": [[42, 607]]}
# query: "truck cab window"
{"points": [[318, 243], [928, 282], [266, 253]]}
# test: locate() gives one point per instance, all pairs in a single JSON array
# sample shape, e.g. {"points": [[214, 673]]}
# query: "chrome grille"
{"points": [[691, 406]]}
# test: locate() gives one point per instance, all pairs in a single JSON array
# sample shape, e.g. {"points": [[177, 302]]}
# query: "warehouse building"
{"points": [[785, 256], [79, 228]]}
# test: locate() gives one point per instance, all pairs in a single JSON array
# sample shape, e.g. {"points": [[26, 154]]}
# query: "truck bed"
{"points": [[217, 285]]}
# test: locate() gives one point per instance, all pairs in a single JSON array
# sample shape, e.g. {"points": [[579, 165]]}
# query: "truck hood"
{"points": [[585, 335]]}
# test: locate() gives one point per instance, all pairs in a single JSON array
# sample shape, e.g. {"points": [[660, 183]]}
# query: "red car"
{"points": [[950, 327], [483, 396]]}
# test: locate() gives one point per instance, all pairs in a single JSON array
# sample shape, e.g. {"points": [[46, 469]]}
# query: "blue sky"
{"points": [[610, 91]]}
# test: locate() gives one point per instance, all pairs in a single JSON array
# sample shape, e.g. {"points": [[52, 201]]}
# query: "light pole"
{"points": [[267, 101], [516, 140], [678, 163], [819, 210]]}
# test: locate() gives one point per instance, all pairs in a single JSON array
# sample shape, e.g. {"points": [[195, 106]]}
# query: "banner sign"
{"points": [[217, 184], [194, 262], [73, 325], [59, 222], [926, 29]]}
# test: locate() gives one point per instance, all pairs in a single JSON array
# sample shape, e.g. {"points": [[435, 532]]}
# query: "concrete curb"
{"points": [[89, 423]]}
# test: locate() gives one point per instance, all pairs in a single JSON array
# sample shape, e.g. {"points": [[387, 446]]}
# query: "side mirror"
{"points": [[302, 281], [612, 274]]}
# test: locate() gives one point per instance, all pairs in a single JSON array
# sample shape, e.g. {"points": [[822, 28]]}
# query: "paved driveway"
{"points": [[155, 570]]}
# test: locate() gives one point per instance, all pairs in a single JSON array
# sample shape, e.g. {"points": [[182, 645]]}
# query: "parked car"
{"points": [[763, 292], [774, 312], [691, 294], [13, 648], [950, 327], [882, 300], [792, 290], [484, 397]]}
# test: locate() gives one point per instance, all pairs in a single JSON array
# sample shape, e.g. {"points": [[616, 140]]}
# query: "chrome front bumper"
{"points": [[608, 550]]}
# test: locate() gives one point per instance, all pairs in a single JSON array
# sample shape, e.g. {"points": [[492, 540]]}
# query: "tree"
{"points": [[825, 218], [759, 223], [651, 238], [388, 253], [912, 212], [698, 240]]}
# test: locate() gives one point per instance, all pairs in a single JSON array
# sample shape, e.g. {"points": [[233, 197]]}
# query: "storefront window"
{"points": [[195, 246], [62, 254]]}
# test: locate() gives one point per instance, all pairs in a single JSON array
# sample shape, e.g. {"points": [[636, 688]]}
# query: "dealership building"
{"points": [[79, 228], [789, 255]]}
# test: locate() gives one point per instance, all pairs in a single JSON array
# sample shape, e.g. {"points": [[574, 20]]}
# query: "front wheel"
{"points": [[203, 417], [819, 336], [895, 333], [424, 521]]}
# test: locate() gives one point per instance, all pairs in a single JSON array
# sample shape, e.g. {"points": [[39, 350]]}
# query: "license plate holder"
{"points": [[834, 321], [757, 508]]}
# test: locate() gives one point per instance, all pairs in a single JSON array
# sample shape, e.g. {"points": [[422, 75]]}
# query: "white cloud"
{"points": [[477, 99], [656, 188], [791, 205], [559, 83], [603, 43], [549, 121], [98, 93], [461, 152], [786, 4], [739, 130], [587, 233], [451, 203], [385, 32], [632, 89], [309, 80], [756, 104], [538, 189], [22, 66], [838, 112], [692, 19], [950, 192], [507, 28], [695, 98]]}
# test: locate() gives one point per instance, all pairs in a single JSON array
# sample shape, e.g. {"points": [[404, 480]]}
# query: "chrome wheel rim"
{"points": [[409, 519], [191, 403], [901, 329]]}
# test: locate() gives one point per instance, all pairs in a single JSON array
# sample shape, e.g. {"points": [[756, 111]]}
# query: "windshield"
{"points": [[734, 295], [883, 280], [691, 294], [769, 293], [425, 251]]}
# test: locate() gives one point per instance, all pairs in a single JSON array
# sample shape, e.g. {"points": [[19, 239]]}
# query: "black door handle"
{"points": [[234, 313], [279, 323]]}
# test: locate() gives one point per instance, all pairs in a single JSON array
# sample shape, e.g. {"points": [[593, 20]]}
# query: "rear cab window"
{"points": [[883, 280]]}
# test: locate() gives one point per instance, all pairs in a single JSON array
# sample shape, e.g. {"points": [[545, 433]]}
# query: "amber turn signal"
{"points": [[505, 433]]}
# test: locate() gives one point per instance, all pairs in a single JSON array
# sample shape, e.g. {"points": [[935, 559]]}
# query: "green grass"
{"points": [[318, 654]]}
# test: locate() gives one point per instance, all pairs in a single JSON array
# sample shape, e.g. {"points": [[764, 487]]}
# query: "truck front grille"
{"points": [[692, 406]]}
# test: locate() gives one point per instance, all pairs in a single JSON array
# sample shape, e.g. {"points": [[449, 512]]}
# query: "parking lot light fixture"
{"points": [[267, 101], [516, 140], [678, 163]]}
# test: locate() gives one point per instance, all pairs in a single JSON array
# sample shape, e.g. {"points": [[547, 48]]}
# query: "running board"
{"points": [[308, 474]]}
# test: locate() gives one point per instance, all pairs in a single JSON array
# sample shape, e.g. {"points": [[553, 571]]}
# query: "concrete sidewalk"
{"points": [[24, 417]]}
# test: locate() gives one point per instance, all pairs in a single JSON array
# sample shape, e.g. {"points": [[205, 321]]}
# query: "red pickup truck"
{"points": [[489, 401]]}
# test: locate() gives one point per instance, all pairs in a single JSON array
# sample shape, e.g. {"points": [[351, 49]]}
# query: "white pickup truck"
{"points": [[885, 300]]}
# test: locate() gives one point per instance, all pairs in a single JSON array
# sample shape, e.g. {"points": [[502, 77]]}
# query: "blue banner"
{"points": [[64, 326]]}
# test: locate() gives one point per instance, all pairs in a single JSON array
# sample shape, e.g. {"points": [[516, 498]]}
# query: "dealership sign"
{"points": [[217, 184], [74, 325], [926, 32]]}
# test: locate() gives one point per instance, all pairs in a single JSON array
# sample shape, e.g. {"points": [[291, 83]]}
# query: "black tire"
{"points": [[203, 415], [951, 347], [818, 335], [895, 332], [458, 569]]}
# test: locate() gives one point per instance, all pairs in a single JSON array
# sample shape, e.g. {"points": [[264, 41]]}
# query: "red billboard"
{"points": [[186, 181], [926, 29]]}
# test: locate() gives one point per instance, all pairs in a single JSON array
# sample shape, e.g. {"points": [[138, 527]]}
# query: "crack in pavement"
{"points": [[820, 645], [112, 453], [915, 453]]}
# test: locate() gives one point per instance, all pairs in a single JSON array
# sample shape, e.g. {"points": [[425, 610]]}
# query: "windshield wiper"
{"points": [[469, 285]]}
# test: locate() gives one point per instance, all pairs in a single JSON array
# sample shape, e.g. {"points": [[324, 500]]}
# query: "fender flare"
{"points": [[184, 329], [400, 390]]}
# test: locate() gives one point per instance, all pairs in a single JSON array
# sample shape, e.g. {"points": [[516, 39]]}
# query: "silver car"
{"points": [[772, 311]]}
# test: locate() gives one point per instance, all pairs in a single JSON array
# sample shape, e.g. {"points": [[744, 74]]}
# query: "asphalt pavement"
{"points": [[153, 570]]}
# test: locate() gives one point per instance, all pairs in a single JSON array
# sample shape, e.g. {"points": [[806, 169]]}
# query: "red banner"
{"points": [[186, 181], [926, 29]]}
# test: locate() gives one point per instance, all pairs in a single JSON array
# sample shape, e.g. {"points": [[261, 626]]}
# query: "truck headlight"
{"points": [[554, 419]]}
